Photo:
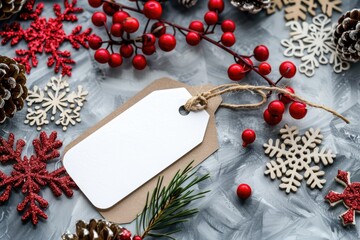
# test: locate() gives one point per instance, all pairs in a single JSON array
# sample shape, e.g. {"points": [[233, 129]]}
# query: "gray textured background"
{"points": [[269, 213]]}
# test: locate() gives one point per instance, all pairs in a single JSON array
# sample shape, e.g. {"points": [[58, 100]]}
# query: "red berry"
{"points": [[264, 68], [236, 72], [137, 237], [117, 30], [158, 29], [243, 191], [126, 50], [271, 119], [98, 19], [261, 53], [95, 42], [95, 3], [228, 26], [298, 110], [248, 136], [148, 39], [216, 5], [131, 25], [167, 42], [149, 50], [115, 60], [139, 62], [193, 38], [125, 235], [152, 10], [245, 66], [228, 39], [211, 18], [102, 55], [285, 98], [120, 16], [110, 8], [287, 69], [197, 26], [276, 108]]}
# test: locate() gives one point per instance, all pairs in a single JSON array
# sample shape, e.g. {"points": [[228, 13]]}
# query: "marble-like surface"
{"points": [[269, 213]]}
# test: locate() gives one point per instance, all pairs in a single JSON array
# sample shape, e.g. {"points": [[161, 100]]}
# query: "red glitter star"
{"points": [[46, 35], [31, 175], [350, 197]]}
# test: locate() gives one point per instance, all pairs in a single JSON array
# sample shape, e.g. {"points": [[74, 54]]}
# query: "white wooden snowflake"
{"points": [[313, 43], [57, 101], [296, 154]]}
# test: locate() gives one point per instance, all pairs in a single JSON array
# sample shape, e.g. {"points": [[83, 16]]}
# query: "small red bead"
{"points": [[126, 50], [158, 29], [148, 39], [298, 110], [261, 53], [125, 235], [139, 62], [236, 72], [115, 60], [264, 68], [149, 50], [276, 108], [216, 5], [102, 55], [193, 38], [110, 9], [152, 10], [167, 42], [248, 136], [271, 119], [245, 66], [285, 98], [228, 26], [243, 191], [131, 25], [137, 237], [228, 39], [95, 3], [95, 42], [211, 18], [197, 25], [98, 19], [287, 69], [117, 30], [120, 16]]}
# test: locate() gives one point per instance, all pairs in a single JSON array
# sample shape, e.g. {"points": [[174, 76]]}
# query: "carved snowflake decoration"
{"points": [[296, 154], [298, 9], [313, 43], [57, 100], [350, 197], [46, 35], [31, 175]]}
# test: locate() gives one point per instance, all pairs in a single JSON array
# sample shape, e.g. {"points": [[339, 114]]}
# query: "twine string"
{"points": [[200, 101]]}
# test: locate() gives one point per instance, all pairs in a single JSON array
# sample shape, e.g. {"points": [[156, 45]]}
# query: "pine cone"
{"points": [[13, 90], [95, 230], [187, 3], [252, 6], [10, 7], [347, 36]]}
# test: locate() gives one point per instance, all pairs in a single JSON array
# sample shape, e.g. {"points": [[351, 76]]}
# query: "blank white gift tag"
{"points": [[135, 146]]}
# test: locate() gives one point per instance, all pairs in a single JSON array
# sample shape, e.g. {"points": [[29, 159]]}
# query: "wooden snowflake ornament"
{"points": [[295, 155], [350, 197]]}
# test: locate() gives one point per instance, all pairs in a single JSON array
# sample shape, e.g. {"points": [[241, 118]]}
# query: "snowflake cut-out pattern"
{"points": [[296, 154], [350, 197], [31, 175], [313, 43], [55, 100], [46, 35], [298, 9]]}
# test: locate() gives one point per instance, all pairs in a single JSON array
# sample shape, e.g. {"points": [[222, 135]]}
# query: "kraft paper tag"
{"points": [[119, 160]]}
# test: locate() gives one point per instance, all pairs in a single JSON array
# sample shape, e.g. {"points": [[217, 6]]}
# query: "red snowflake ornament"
{"points": [[31, 174], [46, 35], [350, 197]]}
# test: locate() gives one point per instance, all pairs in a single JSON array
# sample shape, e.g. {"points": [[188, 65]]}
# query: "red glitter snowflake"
{"points": [[46, 35], [31, 175], [350, 197]]}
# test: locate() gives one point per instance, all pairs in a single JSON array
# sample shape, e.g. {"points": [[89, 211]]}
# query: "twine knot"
{"points": [[196, 103]]}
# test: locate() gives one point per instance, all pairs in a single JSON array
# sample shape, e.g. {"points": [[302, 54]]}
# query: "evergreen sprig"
{"points": [[167, 205]]}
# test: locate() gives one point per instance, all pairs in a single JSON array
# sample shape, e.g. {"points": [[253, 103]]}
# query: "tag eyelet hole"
{"points": [[182, 111]]}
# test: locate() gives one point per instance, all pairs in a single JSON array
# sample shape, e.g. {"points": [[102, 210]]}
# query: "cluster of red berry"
{"points": [[126, 235]]}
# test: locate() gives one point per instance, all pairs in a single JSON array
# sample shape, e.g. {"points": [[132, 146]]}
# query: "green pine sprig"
{"points": [[167, 205]]}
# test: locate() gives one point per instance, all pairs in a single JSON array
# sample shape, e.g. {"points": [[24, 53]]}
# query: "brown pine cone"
{"points": [[10, 7], [13, 91], [347, 36], [251, 6]]}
